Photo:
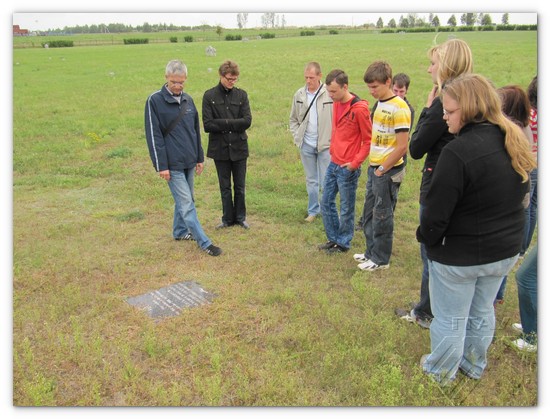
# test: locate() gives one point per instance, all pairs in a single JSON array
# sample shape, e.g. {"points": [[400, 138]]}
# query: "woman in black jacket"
{"points": [[472, 224], [447, 60]]}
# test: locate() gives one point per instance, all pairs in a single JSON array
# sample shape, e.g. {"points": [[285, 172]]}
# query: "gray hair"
{"points": [[176, 67]]}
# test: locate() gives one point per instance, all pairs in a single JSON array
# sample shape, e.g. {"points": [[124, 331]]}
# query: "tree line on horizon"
{"points": [[274, 20]]}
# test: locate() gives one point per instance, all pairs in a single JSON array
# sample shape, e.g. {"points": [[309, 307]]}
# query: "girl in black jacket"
{"points": [[472, 225], [447, 60]]}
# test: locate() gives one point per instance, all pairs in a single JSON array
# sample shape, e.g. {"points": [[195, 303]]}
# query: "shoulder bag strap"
{"points": [[312, 102], [175, 121]]}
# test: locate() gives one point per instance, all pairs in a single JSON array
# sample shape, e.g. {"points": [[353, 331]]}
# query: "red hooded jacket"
{"points": [[351, 133]]}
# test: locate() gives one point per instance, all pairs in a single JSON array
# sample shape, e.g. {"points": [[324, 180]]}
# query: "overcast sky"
{"points": [[54, 20]]}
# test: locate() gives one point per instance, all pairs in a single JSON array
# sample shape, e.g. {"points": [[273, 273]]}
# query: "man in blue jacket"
{"points": [[173, 136]]}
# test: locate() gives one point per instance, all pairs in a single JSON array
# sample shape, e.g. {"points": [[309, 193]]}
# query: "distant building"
{"points": [[17, 31]]}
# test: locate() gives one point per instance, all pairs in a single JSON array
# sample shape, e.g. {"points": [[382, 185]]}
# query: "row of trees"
{"points": [[468, 19], [412, 20], [122, 28], [274, 20]]}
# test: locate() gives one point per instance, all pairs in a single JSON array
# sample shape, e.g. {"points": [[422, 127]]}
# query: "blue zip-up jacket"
{"points": [[181, 148]]}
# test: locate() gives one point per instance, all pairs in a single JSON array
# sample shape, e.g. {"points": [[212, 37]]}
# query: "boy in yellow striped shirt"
{"points": [[391, 123]]}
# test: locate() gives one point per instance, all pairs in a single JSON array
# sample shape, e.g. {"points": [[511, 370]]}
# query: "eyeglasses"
{"points": [[231, 79], [449, 113]]}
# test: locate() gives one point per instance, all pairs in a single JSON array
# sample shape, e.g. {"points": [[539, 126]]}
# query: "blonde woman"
{"points": [[447, 60], [472, 224]]}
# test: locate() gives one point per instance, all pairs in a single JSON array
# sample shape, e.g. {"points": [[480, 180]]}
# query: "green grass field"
{"points": [[290, 325]]}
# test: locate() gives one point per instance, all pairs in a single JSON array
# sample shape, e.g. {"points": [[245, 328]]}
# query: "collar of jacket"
{"points": [[171, 99], [470, 126], [224, 89]]}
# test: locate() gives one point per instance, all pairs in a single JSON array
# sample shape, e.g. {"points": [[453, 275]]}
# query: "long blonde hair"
{"points": [[479, 101], [455, 58]]}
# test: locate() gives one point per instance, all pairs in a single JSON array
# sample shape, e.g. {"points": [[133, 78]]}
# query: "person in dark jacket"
{"points": [[172, 130], [450, 59], [472, 224], [226, 117]]}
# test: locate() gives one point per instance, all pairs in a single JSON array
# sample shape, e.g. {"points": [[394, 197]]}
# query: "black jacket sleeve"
{"points": [[429, 129]]}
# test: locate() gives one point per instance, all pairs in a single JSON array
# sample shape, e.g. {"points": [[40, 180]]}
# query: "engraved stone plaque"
{"points": [[169, 301]]}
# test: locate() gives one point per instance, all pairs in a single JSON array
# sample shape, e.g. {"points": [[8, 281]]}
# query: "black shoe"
{"points": [[222, 225], [213, 250], [336, 249], [188, 236], [243, 224], [326, 245]]}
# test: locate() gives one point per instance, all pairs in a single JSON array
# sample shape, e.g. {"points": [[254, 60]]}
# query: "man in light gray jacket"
{"points": [[311, 127]]}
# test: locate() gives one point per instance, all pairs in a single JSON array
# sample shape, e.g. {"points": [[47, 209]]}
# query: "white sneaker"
{"points": [[370, 266], [524, 346], [517, 327], [360, 257]]}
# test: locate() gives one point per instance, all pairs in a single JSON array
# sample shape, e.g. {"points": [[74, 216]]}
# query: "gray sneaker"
{"points": [[424, 323], [411, 317], [370, 266], [405, 314]]}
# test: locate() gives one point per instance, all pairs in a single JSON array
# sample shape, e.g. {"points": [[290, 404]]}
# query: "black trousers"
{"points": [[233, 199]]}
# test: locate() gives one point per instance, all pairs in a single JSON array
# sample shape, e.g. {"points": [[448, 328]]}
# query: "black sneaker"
{"points": [[326, 245], [188, 236], [213, 250], [336, 249]]}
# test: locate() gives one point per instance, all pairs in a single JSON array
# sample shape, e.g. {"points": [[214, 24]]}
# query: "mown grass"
{"points": [[290, 326]]}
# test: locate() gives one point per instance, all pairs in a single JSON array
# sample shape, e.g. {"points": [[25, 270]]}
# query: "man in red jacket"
{"points": [[349, 147]]}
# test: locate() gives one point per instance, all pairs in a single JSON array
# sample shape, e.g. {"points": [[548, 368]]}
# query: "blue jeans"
{"points": [[423, 308], [464, 318], [530, 212], [380, 202], [315, 166], [526, 277], [185, 213], [339, 229]]}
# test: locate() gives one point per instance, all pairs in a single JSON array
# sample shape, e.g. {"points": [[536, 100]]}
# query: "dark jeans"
{"points": [[501, 290], [423, 308], [380, 202], [234, 207]]}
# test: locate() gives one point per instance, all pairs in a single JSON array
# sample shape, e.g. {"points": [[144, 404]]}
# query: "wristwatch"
{"points": [[381, 168]]}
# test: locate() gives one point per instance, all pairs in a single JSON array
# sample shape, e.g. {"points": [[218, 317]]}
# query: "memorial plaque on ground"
{"points": [[170, 300]]}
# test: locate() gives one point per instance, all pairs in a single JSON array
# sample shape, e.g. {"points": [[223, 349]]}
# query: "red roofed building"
{"points": [[17, 31]]}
